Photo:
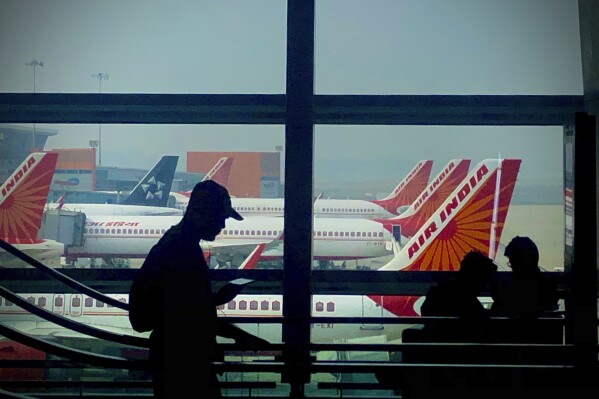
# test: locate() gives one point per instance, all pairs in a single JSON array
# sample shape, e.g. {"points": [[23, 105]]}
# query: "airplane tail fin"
{"points": [[430, 199], [23, 197], [155, 187], [409, 188], [471, 218], [220, 171], [250, 262]]}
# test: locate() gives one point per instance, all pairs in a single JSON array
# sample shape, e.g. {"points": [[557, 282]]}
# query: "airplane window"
{"points": [[319, 306], [118, 231], [89, 302], [253, 305], [151, 231], [330, 306], [369, 234], [8, 303], [258, 232], [122, 300], [113, 231], [135, 231], [97, 231], [58, 302], [336, 234], [41, 302], [130, 231], [76, 302], [253, 232], [101, 231], [352, 234], [264, 305], [99, 304], [31, 300], [243, 305], [85, 230], [236, 232], [276, 305], [347, 233], [381, 234], [220, 307], [232, 305], [241, 232], [224, 232], [147, 231]]}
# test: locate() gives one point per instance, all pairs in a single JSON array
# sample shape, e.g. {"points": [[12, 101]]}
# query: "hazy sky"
{"points": [[362, 47]]}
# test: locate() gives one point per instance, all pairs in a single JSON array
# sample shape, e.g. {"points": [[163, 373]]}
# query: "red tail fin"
{"points": [[250, 262], [408, 190], [23, 197], [220, 171], [472, 218], [431, 198]]}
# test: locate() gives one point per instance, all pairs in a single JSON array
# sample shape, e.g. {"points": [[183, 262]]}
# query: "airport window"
{"points": [[89, 302], [264, 305], [243, 305], [76, 301], [231, 305]]}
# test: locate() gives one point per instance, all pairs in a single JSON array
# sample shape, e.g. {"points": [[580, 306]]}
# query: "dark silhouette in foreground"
{"points": [[172, 296]]}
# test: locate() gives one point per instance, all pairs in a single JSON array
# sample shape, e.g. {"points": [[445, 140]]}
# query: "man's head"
{"points": [[476, 269], [523, 255], [208, 208]]}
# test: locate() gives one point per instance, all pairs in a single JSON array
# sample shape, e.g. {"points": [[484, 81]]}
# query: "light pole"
{"points": [[100, 76], [34, 63]]}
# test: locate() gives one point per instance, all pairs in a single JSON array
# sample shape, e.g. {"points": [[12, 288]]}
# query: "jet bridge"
{"points": [[63, 226]]}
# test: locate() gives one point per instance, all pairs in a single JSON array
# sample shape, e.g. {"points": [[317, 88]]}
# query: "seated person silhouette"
{"points": [[458, 297], [527, 295]]}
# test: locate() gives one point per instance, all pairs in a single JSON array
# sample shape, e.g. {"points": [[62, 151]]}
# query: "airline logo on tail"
{"points": [[408, 190], [23, 197], [471, 218]]}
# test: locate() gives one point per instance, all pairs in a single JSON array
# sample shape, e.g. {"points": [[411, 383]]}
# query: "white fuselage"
{"points": [[118, 209], [133, 237], [90, 311], [340, 208]]}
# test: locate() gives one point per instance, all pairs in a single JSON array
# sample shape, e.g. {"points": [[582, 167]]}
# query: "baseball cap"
{"points": [[210, 196]]}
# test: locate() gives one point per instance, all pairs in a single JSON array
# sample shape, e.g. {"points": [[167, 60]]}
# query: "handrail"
{"points": [[72, 324], [70, 353], [61, 277]]}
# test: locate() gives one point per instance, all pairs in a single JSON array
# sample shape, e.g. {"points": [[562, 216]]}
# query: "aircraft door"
{"points": [[76, 305], [396, 231], [371, 309]]}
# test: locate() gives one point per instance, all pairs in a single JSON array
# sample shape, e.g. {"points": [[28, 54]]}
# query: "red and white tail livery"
{"points": [[219, 173], [22, 200], [408, 190], [430, 199], [472, 218]]}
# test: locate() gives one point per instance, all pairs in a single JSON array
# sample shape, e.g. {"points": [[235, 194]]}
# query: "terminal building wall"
{"points": [[253, 174]]}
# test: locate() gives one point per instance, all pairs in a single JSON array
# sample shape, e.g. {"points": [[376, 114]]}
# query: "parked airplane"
{"points": [[22, 199], [134, 236], [149, 197], [472, 217], [404, 193]]}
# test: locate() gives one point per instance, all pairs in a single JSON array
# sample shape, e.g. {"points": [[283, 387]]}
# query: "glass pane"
{"points": [[143, 46], [439, 47]]}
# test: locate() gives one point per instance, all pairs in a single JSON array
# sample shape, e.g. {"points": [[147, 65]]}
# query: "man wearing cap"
{"points": [[172, 296]]}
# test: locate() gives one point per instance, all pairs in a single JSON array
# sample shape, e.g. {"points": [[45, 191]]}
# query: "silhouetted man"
{"points": [[172, 296]]}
